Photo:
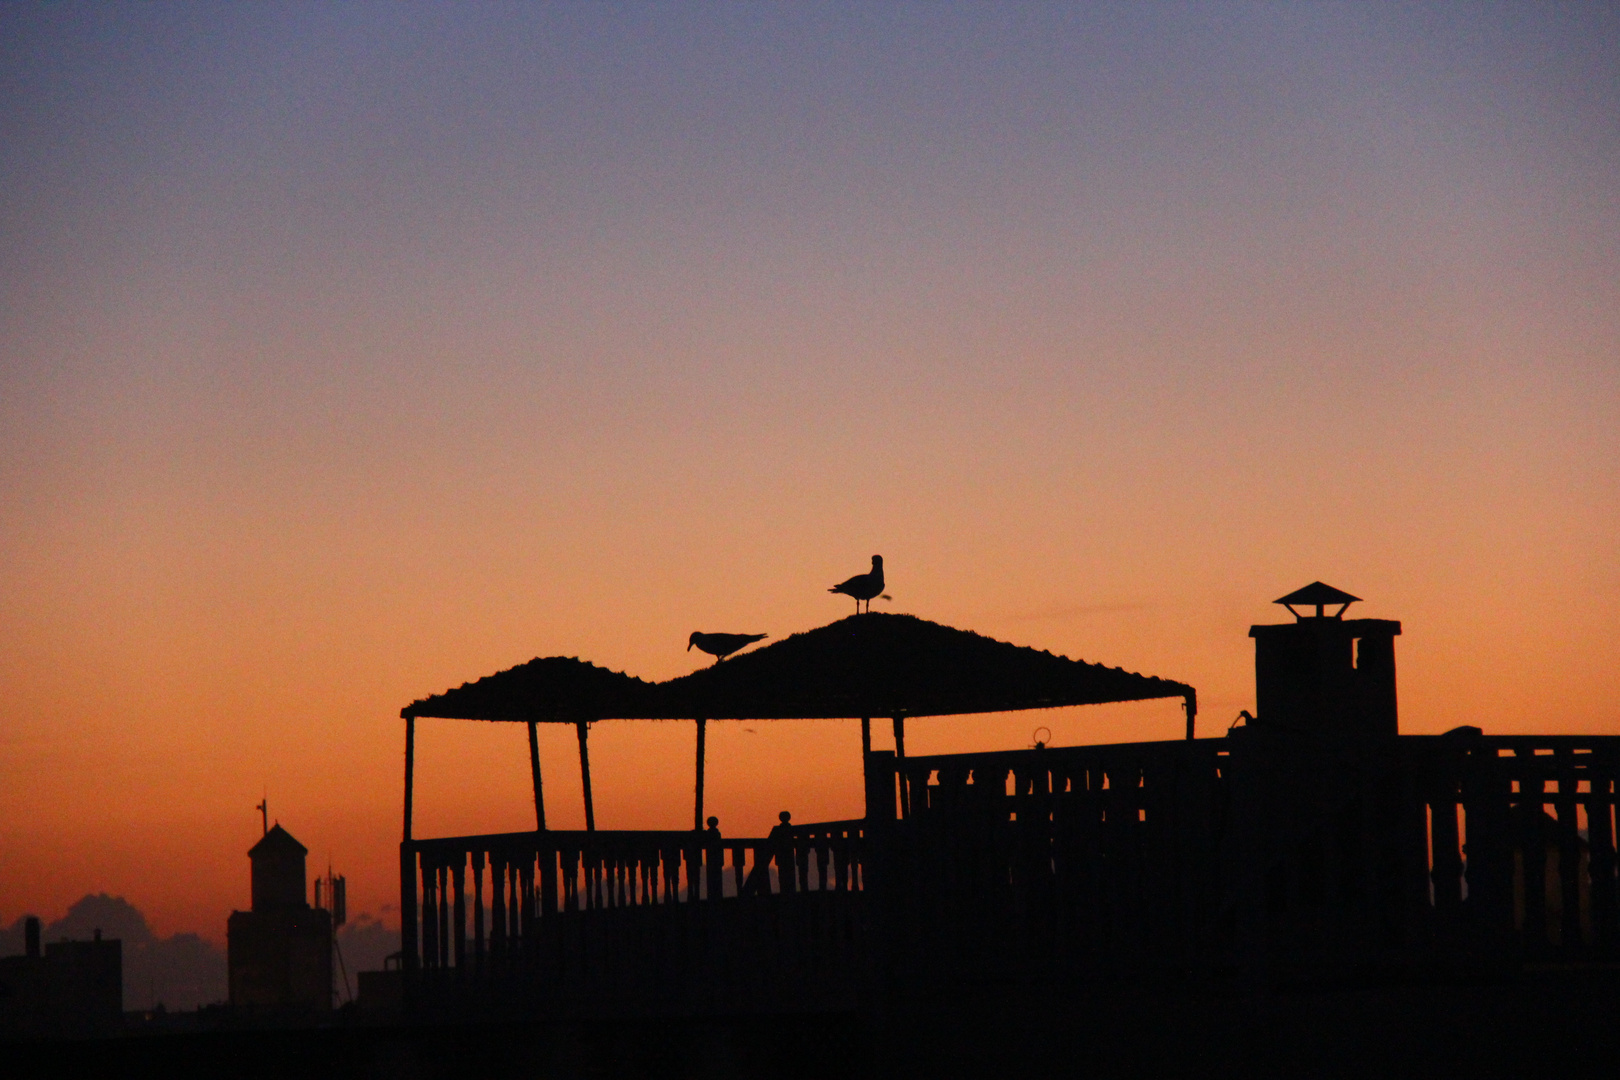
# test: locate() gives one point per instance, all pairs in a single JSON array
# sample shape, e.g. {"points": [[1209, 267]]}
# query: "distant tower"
{"points": [[280, 952], [1324, 674]]}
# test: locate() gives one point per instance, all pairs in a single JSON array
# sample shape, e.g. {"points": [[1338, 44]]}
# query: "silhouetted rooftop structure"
{"points": [[898, 665], [1315, 843], [547, 689], [863, 665]]}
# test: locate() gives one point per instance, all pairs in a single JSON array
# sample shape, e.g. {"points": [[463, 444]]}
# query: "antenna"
{"points": [[264, 812]]}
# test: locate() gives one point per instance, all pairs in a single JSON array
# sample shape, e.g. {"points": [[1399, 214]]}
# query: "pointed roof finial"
{"points": [[1318, 595]]}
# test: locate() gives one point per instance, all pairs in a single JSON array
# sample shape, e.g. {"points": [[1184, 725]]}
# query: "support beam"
{"points": [[407, 860], [900, 756], [697, 814], [534, 771], [866, 736], [410, 769], [583, 729]]}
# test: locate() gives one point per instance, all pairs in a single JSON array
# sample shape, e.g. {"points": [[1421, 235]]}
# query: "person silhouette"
{"points": [[780, 843], [714, 858]]}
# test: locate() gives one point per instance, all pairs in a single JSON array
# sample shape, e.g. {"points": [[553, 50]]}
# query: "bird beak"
{"points": [[688, 646]]}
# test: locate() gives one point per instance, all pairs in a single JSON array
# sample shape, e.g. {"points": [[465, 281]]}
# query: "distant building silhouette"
{"points": [[73, 988], [280, 952]]}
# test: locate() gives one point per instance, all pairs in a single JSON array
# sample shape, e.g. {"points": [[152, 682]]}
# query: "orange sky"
{"points": [[350, 354]]}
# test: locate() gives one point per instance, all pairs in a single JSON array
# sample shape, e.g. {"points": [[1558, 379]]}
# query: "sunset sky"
{"points": [[349, 352]]}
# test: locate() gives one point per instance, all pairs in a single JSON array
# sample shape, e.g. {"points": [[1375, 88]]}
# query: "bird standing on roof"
{"points": [[863, 586], [721, 646]]}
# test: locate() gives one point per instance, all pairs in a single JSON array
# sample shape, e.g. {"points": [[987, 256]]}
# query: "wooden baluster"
{"points": [[526, 872], [571, 880], [497, 905], [430, 913], [1532, 845], [1569, 850], [1600, 837], [840, 854], [548, 877], [459, 877], [478, 909], [443, 875], [1487, 806], [738, 854], [514, 907], [409, 927], [1447, 872]]}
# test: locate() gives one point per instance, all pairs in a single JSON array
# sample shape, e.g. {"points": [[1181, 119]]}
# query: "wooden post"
{"points": [[407, 906], [1190, 703], [900, 756], [407, 861], [697, 814], [583, 730], [430, 915], [410, 769], [478, 909], [458, 884], [866, 736], [534, 771]]}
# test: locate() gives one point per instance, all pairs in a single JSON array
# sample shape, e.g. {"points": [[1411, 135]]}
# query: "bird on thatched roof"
{"points": [[863, 586], [721, 646]]}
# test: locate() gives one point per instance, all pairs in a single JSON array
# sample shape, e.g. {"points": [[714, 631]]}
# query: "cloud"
{"points": [[364, 944]]}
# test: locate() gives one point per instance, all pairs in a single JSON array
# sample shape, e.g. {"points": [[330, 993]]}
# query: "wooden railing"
{"points": [[1521, 833], [1190, 852], [1051, 863], [478, 903]]}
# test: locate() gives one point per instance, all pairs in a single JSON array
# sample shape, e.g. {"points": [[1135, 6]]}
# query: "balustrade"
{"points": [[536, 878]]}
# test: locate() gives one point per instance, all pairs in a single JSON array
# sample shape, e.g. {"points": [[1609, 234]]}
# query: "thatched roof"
{"points": [[552, 689], [898, 665], [863, 665]]}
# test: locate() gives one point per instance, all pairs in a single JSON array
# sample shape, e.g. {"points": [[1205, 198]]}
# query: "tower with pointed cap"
{"points": [[1324, 674], [278, 871], [279, 953]]}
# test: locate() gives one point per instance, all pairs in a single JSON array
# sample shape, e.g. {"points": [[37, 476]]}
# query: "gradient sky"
{"points": [[351, 352]]}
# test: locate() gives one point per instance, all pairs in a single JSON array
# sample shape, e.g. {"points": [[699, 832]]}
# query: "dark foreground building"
{"points": [[70, 988], [1314, 845]]}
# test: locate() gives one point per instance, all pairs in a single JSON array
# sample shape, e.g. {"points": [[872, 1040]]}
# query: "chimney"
{"points": [[1325, 674]]}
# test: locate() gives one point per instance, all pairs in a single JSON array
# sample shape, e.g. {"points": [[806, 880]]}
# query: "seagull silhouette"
{"points": [[863, 586], [721, 646]]}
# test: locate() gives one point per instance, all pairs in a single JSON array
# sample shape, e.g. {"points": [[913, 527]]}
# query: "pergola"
{"points": [[863, 666]]}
